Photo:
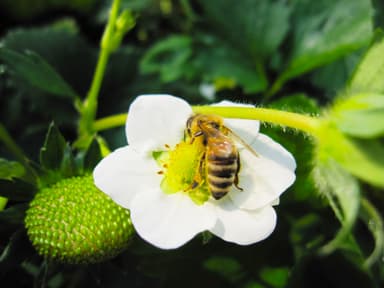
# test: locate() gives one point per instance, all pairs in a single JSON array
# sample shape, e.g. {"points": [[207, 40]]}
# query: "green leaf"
{"points": [[22, 10], [362, 158], [343, 193], [68, 166], [325, 31], [296, 143], [10, 144], [229, 268], [17, 250], [368, 76], [56, 158], [10, 169], [360, 115], [17, 190], [63, 48], [207, 59], [254, 284], [331, 78], [37, 72], [52, 153], [28, 172], [302, 149], [135, 5], [168, 57], [334, 270], [3, 203], [275, 277], [298, 103], [13, 215], [215, 61], [256, 26], [308, 233], [103, 145], [375, 224]]}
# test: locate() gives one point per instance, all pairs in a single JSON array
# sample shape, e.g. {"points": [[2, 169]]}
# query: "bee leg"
{"points": [[236, 181], [197, 134], [198, 178]]}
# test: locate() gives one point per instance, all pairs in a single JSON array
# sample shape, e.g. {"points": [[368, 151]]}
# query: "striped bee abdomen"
{"points": [[221, 171]]}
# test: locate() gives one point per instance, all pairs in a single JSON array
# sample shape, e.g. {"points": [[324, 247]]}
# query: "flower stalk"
{"points": [[304, 123], [110, 122], [90, 104], [116, 28], [301, 122]]}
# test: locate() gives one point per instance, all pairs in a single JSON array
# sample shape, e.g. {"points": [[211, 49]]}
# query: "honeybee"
{"points": [[219, 165]]}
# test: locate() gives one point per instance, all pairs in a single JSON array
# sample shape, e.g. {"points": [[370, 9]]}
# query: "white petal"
{"points": [[241, 226], [246, 129], [156, 120], [169, 221], [274, 151], [275, 202], [124, 173], [263, 178]]}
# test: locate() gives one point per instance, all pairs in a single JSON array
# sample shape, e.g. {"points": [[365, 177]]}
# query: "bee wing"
{"points": [[237, 138]]}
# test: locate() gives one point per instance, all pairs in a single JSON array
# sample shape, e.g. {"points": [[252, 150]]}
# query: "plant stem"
{"points": [[110, 122], [90, 104], [89, 108], [301, 122], [298, 121]]}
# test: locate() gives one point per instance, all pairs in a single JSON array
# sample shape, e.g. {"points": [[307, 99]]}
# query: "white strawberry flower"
{"points": [[151, 175]]}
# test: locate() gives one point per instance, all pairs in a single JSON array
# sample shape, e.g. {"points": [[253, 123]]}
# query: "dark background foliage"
{"points": [[293, 55]]}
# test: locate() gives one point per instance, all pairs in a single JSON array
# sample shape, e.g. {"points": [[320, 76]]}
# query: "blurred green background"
{"points": [[294, 55]]}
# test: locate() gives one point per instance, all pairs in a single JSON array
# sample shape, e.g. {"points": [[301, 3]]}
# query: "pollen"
{"points": [[180, 167]]}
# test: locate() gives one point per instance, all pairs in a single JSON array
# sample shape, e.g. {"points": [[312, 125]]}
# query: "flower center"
{"points": [[179, 167]]}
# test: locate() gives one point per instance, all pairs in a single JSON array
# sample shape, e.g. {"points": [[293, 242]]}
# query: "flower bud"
{"points": [[74, 222]]}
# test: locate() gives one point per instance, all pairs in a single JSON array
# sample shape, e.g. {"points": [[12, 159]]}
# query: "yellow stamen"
{"points": [[179, 167]]}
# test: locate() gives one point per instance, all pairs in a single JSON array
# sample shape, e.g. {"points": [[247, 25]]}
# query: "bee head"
{"points": [[202, 124]]}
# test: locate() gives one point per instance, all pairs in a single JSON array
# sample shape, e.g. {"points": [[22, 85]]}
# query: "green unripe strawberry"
{"points": [[74, 222]]}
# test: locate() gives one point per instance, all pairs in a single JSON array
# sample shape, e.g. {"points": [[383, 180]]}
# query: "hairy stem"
{"points": [[301, 122]]}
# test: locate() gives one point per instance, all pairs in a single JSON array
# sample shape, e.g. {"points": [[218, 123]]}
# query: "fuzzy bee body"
{"points": [[220, 163]]}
